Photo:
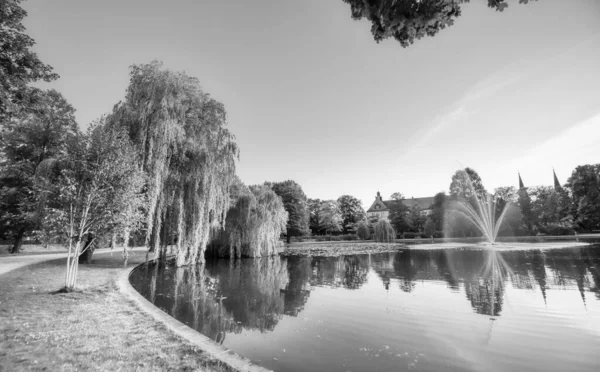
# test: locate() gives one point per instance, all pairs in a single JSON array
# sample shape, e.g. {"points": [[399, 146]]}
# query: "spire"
{"points": [[556, 183], [378, 197], [521, 186]]}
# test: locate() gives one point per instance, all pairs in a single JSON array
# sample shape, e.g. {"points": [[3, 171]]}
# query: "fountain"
{"points": [[480, 210]]}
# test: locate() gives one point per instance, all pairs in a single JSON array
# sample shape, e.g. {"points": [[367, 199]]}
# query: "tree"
{"points": [[466, 184], [99, 180], [19, 66], [352, 212], [429, 228], [399, 213], [407, 20], [29, 142], [296, 205], [544, 205], [527, 216], [362, 230], [187, 152], [506, 197], [416, 218], [584, 184], [384, 232], [314, 210], [331, 216], [438, 210], [254, 223]]}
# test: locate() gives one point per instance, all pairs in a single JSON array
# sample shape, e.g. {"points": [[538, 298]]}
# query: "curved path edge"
{"points": [[194, 337]]}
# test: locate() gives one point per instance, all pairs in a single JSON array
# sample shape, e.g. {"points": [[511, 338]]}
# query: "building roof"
{"points": [[423, 203], [380, 205]]}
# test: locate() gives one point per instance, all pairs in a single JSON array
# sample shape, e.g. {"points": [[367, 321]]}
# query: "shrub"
{"points": [[362, 231], [556, 230], [384, 232]]}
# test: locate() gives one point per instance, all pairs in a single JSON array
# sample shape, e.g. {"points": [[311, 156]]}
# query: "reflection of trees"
{"points": [[251, 290], [228, 296], [344, 271], [297, 291]]}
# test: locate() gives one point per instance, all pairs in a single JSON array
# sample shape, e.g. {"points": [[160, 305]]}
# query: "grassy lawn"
{"points": [[95, 328]]}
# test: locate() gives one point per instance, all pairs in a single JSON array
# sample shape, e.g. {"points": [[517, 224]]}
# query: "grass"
{"points": [[94, 328]]}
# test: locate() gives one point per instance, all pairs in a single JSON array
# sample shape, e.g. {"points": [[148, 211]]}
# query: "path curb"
{"points": [[194, 337]]}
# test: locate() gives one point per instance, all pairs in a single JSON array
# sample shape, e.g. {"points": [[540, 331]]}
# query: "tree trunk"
{"points": [[88, 251], [289, 238], [18, 242]]}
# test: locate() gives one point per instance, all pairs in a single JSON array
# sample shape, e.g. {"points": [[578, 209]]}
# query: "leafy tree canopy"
{"points": [[187, 152], [331, 216], [296, 204], [314, 210], [352, 212], [585, 186], [30, 143], [19, 66], [99, 181], [399, 213], [410, 20], [466, 183]]}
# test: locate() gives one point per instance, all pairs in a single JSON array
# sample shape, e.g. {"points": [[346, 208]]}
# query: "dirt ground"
{"points": [[93, 329]]}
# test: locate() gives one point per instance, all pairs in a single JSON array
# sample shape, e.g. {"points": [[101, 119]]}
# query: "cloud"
{"points": [[461, 109], [579, 144]]}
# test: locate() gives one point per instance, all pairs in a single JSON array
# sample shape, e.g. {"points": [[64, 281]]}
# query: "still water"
{"points": [[416, 310]]}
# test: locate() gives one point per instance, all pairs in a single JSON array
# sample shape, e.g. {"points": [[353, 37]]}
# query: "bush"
{"points": [[362, 231], [384, 232], [556, 230], [411, 235]]}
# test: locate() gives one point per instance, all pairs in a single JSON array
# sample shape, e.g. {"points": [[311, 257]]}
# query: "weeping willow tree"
{"points": [[187, 153], [253, 225], [384, 232]]}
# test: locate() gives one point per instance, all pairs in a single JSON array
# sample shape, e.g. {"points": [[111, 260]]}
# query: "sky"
{"points": [[310, 96]]}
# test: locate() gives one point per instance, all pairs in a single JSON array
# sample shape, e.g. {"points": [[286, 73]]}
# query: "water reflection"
{"points": [[229, 297]]}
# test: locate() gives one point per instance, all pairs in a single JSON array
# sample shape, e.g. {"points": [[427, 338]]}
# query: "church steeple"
{"points": [[556, 183], [521, 186]]}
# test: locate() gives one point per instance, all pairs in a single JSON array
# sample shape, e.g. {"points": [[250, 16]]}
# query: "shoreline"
{"points": [[97, 327]]}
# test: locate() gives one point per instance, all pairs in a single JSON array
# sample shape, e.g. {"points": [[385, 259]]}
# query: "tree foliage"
{"points": [[30, 141], [331, 218], [399, 213], [438, 210], [254, 223], [19, 66], [466, 184], [99, 180], [296, 204], [384, 232], [352, 212], [362, 230], [585, 187], [410, 20], [314, 211], [187, 152]]}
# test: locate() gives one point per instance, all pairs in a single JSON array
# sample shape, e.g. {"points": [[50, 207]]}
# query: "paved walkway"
{"points": [[13, 262]]}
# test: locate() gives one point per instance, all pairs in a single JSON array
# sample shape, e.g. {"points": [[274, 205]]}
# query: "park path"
{"points": [[13, 262]]}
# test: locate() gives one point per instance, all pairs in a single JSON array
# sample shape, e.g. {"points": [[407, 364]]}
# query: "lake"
{"points": [[460, 309]]}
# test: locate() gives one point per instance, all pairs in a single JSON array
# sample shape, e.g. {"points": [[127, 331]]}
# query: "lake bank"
{"points": [[94, 328]]}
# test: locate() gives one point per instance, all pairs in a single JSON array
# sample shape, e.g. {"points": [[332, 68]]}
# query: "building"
{"points": [[381, 208]]}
